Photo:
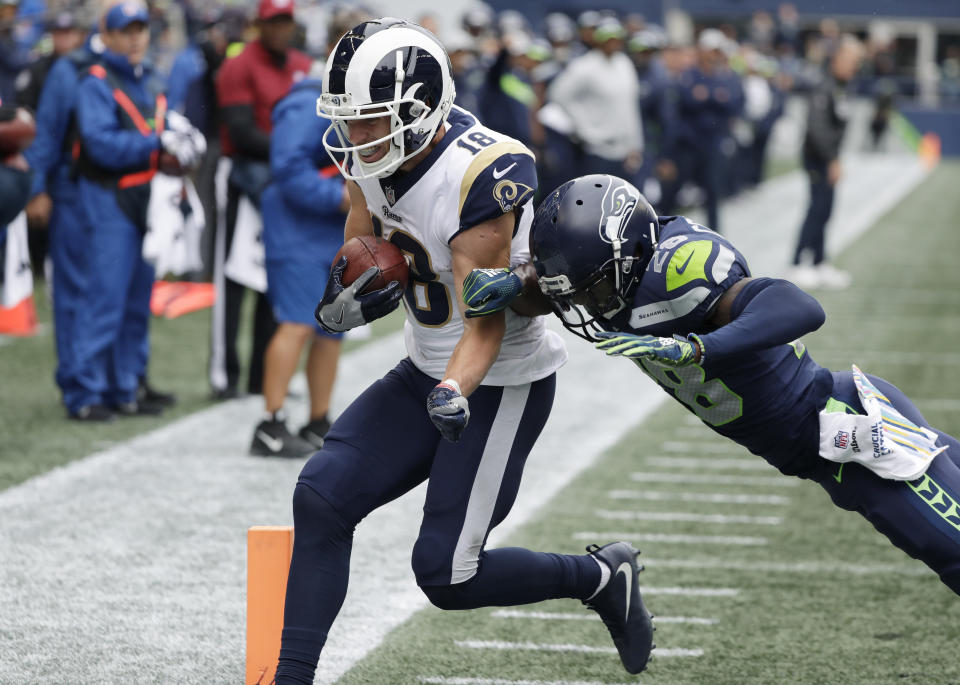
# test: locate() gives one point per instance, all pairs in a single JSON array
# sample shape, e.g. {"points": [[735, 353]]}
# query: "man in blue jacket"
{"points": [[122, 124], [304, 208], [55, 200]]}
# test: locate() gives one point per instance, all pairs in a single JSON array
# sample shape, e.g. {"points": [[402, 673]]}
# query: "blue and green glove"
{"points": [[672, 352], [486, 291]]}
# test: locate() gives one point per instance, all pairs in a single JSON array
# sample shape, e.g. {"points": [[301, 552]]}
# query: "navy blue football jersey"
{"points": [[766, 401]]}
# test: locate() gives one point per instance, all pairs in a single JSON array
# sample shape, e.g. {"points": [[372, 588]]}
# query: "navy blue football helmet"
{"points": [[591, 241], [386, 67]]}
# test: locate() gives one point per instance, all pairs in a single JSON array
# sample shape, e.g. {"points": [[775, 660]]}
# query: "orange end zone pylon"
{"points": [[269, 549], [20, 319]]}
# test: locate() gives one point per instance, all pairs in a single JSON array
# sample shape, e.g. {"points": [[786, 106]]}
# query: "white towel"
{"points": [[883, 440]]}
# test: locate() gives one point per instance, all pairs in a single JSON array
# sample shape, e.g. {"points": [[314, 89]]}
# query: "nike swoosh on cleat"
{"points": [[273, 444], [500, 174], [681, 269], [339, 319], [627, 570]]}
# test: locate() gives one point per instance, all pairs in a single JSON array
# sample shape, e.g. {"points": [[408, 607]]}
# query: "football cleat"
{"points": [[315, 431], [94, 413], [147, 393], [138, 408], [620, 607], [271, 438]]}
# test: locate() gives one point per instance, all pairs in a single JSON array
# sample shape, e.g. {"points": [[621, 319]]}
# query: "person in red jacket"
{"points": [[248, 86]]}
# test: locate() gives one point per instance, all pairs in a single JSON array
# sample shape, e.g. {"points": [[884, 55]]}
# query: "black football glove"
{"points": [[343, 308]]}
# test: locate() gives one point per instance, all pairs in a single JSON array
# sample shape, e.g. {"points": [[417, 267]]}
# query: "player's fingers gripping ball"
{"points": [[673, 352], [448, 409], [486, 291]]}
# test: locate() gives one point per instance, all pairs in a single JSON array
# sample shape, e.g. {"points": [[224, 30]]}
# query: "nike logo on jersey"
{"points": [[839, 474], [681, 269], [627, 570], [273, 444], [500, 174]]}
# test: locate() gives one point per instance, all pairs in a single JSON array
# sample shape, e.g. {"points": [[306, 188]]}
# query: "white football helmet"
{"points": [[386, 67]]}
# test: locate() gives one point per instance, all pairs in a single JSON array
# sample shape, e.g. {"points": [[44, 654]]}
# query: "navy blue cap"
{"points": [[122, 15]]}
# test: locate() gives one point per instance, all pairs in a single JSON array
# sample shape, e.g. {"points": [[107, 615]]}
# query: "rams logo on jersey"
{"points": [[510, 194]]}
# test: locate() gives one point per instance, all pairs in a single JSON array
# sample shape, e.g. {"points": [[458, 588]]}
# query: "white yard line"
{"points": [[585, 649], [590, 616], [691, 591], [442, 680], [798, 567], [712, 446], [687, 517], [704, 497], [711, 479], [731, 540], [709, 464]]}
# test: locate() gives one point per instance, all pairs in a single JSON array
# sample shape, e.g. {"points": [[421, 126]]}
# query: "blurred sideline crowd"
{"points": [[223, 131]]}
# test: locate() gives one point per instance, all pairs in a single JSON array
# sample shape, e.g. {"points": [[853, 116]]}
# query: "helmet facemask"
{"points": [[416, 108]]}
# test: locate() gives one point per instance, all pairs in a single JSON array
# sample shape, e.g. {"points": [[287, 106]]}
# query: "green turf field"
{"points": [[818, 596], [37, 434]]}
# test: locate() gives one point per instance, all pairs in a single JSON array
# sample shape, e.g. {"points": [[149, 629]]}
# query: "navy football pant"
{"points": [[382, 446], [921, 517]]}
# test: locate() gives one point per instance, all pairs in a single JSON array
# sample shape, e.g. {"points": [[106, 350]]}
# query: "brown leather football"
{"points": [[365, 251]]}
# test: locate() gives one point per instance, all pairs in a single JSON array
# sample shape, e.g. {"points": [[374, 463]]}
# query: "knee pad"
{"points": [[315, 518], [450, 597], [431, 559]]}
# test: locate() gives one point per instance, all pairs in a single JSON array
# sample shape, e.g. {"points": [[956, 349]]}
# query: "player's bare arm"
{"points": [[359, 221], [485, 246]]}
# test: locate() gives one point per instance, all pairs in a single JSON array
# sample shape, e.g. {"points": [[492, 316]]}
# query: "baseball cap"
{"points": [[269, 9], [122, 15]]}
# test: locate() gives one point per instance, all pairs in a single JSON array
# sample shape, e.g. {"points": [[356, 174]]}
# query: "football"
{"points": [[365, 251]]}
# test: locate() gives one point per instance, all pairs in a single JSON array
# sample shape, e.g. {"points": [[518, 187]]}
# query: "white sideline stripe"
{"points": [[441, 680], [802, 567], [709, 497], [742, 540], [707, 463], [721, 445], [587, 649], [710, 479], [683, 516], [690, 591], [106, 534], [590, 616]]}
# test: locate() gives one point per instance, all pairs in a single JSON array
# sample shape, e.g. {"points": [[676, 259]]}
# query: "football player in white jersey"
{"points": [[454, 196]]}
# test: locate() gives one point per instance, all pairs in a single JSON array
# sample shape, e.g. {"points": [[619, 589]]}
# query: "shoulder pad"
{"points": [[500, 177]]}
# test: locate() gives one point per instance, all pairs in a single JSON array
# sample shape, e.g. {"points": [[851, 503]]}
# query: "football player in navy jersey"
{"points": [[679, 300], [466, 405]]}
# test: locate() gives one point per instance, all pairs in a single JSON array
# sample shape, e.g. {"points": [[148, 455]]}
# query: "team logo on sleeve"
{"points": [[618, 204], [510, 194]]}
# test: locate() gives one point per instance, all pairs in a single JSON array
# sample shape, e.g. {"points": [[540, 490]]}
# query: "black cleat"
{"points": [[272, 439], [93, 413], [315, 432], [147, 394], [138, 408], [620, 606]]}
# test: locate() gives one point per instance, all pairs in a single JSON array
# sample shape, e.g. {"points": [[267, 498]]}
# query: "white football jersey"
{"points": [[473, 175]]}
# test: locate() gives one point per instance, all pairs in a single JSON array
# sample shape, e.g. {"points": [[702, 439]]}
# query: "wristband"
{"points": [[449, 382], [698, 341]]}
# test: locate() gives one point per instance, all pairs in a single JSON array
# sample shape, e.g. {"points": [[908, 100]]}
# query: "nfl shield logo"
{"points": [[391, 196], [841, 440]]}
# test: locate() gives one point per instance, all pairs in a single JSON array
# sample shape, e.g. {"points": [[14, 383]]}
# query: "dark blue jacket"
{"points": [[50, 155], [705, 120], [301, 206]]}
